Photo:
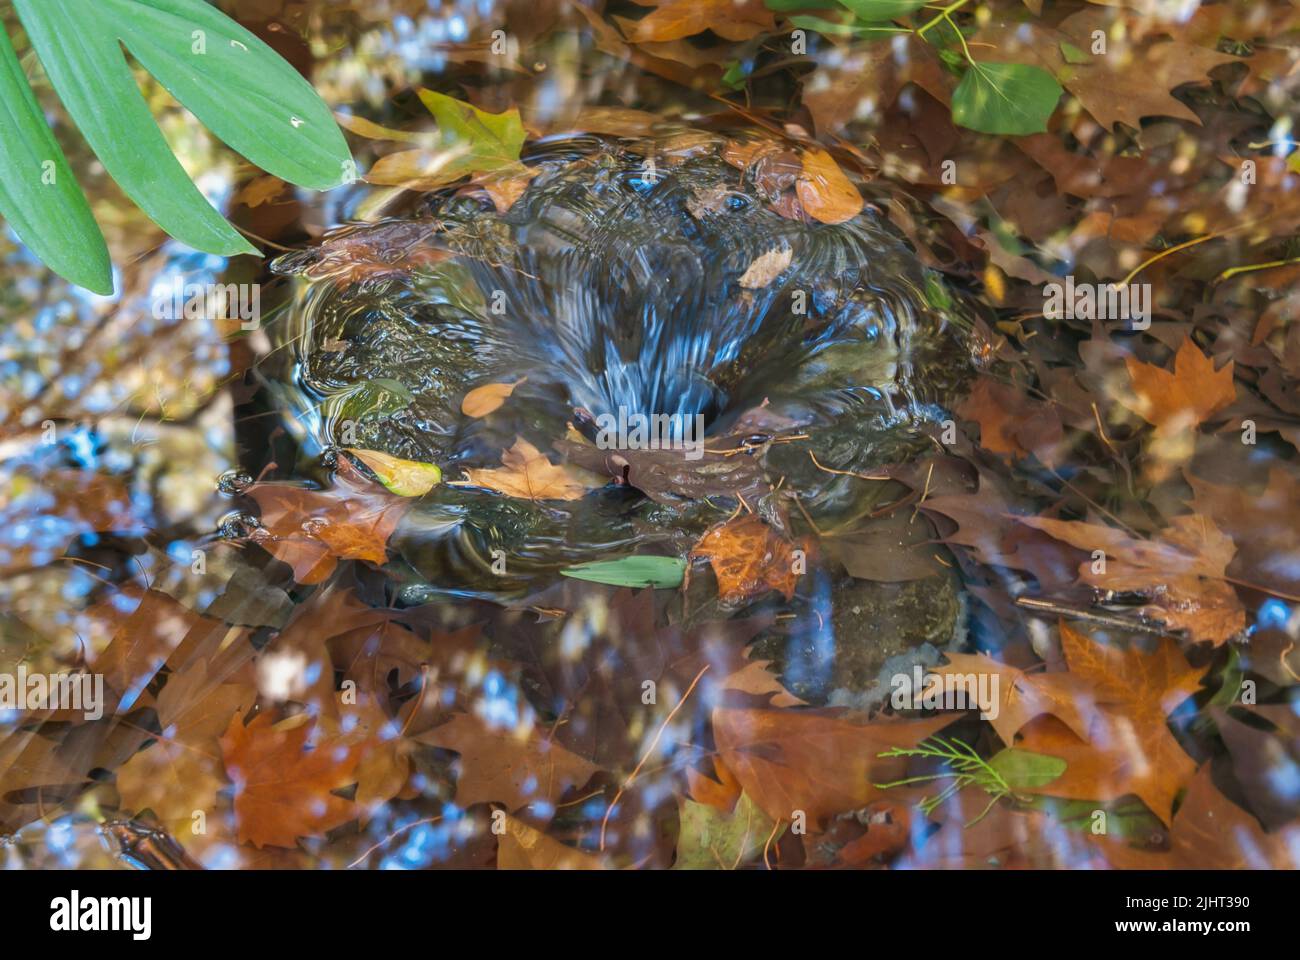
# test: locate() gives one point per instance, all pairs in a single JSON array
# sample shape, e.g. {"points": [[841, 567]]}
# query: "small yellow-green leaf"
{"points": [[406, 478]]}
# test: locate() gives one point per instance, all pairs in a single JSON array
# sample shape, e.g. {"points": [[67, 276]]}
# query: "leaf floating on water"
{"points": [[528, 474], [661, 572], [824, 190], [766, 267], [749, 558], [312, 530], [406, 478], [481, 401]]}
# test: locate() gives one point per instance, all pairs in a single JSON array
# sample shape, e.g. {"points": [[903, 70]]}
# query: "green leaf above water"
{"points": [[1022, 769], [642, 571], [38, 194], [233, 82], [480, 141], [1007, 98], [847, 28], [878, 10]]}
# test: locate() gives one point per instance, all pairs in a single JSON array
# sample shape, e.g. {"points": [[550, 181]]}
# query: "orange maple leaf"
{"points": [[284, 786], [1186, 398], [748, 558], [1130, 748], [312, 530]]}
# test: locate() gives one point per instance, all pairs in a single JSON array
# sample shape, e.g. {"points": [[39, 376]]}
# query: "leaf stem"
{"points": [[944, 14]]}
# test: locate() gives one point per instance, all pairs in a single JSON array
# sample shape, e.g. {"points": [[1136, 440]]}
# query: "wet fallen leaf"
{"points": [[406, 478], [260, 190], [711, 839], [526, 472], [1023, 696], [674, 19], [1129, 748], [481, 401], [1181, 571], [749, 558], [283, 787], [765, 268], [815, 761], [1210, 832], [522, 847], [513, 767], [824, 190], [1185, 398], [312, 530]]}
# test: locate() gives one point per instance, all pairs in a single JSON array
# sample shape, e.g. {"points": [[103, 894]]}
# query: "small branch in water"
{"points": [[846, 473], [1036, 605]]}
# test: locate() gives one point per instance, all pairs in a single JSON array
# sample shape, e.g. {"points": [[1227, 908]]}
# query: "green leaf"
{"points": [[849, 28], [874, 11], [239, 88], [380, 396], [234, 83], [39, 195], [1023, 768], [642, 571], [481, 142], [1006, 98], [733, 78], [709, 839], [784, 5], [1073, 54]]}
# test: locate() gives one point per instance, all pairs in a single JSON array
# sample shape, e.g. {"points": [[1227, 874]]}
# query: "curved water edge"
{"points": [[623, 283]]}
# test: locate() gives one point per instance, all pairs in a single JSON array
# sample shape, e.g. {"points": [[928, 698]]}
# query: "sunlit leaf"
{"points": [[234, 83], [661, 572], [1011, 98], [38, 194]]}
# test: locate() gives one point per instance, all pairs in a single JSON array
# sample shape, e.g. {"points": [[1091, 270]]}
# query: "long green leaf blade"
{"points": [[241, 89], [80, 54], [636, 571], [39, 196]]}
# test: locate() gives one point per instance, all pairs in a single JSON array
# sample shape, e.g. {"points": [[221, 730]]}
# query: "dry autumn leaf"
{"points": [[284, 788], [525, 472], [824, 190], [749, 558], [481, 401]]}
